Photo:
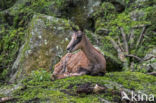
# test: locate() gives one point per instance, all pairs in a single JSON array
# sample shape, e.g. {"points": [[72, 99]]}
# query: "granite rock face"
{"points": [[45, 43]]}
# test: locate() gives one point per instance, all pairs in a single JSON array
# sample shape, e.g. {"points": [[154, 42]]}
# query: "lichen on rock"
{"points": [[45, 43]]}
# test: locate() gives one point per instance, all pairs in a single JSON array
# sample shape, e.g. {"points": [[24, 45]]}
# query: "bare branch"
{"points": [[140, 59], [152, 73], [124, 40], [121, 55], [141, 36], [120, 45], [141, 26], [134, 56], [6, 99], [116, 46], [145, 59], [131, 38]]}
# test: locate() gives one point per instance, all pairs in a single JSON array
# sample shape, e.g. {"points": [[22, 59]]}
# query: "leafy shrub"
{"points": [[40, 75], [4, 4], [11, 40]]}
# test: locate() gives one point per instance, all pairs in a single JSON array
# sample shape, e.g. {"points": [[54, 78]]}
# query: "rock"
{"points": [[137, 15], [144, 3], [150, 65], [119, 5], [45, 43], [98, 88], [6, 99], [87, 88], [79, 11], [7, 90]]}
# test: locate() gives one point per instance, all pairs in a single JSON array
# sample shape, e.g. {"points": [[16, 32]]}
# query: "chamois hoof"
{"points": [[53, 77]]}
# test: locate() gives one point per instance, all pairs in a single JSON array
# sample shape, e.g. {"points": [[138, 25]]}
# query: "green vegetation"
{"points": [[4, 4], [123, 30], [14, 22], [133, 22], [39, 87]]}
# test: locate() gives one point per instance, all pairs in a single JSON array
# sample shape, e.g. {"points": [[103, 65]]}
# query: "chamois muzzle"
{"points": [[69, 49]]}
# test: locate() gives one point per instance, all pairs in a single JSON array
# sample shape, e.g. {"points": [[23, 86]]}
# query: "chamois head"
{"points": [[76, 41]]}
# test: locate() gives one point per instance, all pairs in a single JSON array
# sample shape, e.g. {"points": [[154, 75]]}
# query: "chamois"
{"points": [[87, 60]]}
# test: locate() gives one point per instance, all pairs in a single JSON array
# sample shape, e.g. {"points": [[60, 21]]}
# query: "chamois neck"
{"points": [[88, 50]]}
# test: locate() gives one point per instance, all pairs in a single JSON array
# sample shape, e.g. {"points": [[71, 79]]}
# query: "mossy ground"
{"points": [[39, 87]]}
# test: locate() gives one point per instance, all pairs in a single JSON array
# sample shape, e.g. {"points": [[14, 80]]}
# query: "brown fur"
{"points": [[86, 61]]}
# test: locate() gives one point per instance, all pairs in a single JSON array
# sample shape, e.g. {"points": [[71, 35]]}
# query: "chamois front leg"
{"points": [[80, 72]]}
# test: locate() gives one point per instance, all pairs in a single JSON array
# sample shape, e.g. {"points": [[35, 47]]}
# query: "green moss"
{"points": [[104, 10], [11, 40], [103, 16], [135, 81], [46, 90], [4, 4]]}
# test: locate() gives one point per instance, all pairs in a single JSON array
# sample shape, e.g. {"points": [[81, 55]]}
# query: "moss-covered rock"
{"points": [[143, 3], [45, 43], [149, 65], [38, 88], [79, 11]]}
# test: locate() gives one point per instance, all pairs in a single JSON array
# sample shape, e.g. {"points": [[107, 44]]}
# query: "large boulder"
{"points": [[45, 43], [79, 11]]}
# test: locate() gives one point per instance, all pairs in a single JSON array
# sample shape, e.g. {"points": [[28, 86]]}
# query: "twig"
{"points": [[141, 37], [124, 40], [116, 46], [152, 73], [6, 99], [120, 45], [141, 26], [140, 59], [131, 38], [134, 56], [145, 59], [121, 55]]}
